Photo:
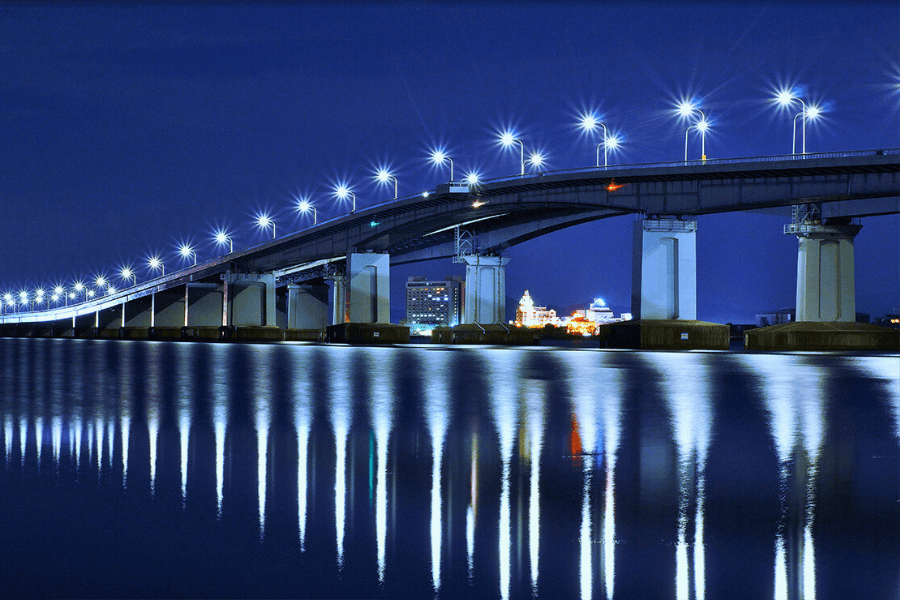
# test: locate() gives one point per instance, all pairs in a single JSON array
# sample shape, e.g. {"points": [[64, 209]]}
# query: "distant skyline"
{"points": [[128, 129]]}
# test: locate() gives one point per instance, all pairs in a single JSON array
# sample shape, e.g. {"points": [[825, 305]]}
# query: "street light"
{"points": [[384, 177], [60, 291], [686, 109], [100, 281], [38, 297], [156, 264], [472, 178], [304, 206], [342, 192], [438, 157], [536, 159], [507, 139], [222, 237], [79, 288], [264, 222], [187, 252], [590, 123], [23, 298], [787, 98], [128, 274]]}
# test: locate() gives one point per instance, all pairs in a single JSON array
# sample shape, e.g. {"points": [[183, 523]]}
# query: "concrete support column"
{"points": [[485, 301], [307, 306], [825, 273], [369, 287], [664, 269], [203, 304], [251, 300], [339, 300]]}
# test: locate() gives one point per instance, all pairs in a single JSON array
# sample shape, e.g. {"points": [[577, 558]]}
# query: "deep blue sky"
{"points": [[125, 129]]}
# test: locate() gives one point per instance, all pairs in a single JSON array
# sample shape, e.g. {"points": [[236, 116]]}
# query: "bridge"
{"points": [[282, 283]]}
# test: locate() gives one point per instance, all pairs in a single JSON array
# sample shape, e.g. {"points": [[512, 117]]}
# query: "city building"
{"points": [[431, 304], [529, 315]]}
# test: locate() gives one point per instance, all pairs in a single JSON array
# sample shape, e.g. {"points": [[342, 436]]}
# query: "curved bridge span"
{"points": [[824, 190]]}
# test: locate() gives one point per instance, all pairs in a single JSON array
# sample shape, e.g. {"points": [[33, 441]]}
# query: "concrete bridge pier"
{"points": [[249, 300], [368, 287], [203, 305], [825, 272], [664, 269], [306, 306], [485, 298]]}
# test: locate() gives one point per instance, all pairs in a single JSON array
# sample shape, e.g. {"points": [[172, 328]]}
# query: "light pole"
{"points": [[38, 297], [687, 109], [222, 237], [507, 139], [700, 126], [61, 291], [384, 176], [590, 123], [304, 206], [127, 274], [187, 252], [23, 298], [156, 264], [79, 289], [438, 157], [786, 98], [342, 192]]}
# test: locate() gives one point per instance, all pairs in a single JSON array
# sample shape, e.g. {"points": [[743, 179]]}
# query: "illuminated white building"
{"points": [[529, 315]]}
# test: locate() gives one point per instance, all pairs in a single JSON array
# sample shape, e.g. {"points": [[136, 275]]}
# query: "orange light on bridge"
{"points": [[478, 203], [613, 186]]}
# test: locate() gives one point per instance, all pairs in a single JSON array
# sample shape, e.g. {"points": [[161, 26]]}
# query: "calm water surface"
{"points": [[193, 470]]}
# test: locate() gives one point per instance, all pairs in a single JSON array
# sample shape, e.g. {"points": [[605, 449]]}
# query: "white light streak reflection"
{"points": [[437, 415], [39, 439], [8, 435], [77, 427], [126, 375], [262, 392], [596, 390], [154, 376], [220, 418], [98, 427], [23, 436], [684, 380], [503, 382], [185, 391], [382, 394], [89, 433], [792, 390], [125, 427], [535, 397], [56, 438], [341, 415], [110, 441], [302, 400]]}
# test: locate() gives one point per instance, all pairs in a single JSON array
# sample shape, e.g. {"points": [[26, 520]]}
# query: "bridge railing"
{"points": [[702, 163]]}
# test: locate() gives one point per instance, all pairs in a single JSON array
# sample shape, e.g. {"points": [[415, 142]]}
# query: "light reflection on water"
{"points": [[518, 469]]}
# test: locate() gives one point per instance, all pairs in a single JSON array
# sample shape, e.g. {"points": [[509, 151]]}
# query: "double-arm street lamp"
{"points": [[507, 139]]}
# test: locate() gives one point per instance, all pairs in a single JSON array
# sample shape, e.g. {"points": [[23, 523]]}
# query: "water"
{"points": [[191, 470]]}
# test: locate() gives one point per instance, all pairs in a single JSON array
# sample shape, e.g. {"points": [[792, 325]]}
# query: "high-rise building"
{"points": [[431, 304]]}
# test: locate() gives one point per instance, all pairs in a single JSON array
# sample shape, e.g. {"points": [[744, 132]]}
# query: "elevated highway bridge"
{"points": [[281, 282]]}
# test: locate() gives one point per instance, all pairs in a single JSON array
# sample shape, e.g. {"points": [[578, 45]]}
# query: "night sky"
{"points": [[126, 129]]}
